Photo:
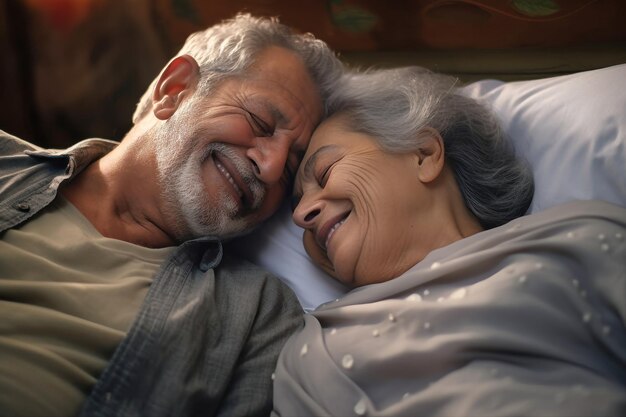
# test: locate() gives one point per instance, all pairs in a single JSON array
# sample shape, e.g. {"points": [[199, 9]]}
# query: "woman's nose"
{"points": [[269, 156], [306, 212]]}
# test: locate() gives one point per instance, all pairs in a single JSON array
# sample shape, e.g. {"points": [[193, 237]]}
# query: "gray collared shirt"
{"points": [[208, 334]]}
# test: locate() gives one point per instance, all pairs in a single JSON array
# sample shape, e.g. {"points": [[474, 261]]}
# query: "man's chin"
{"points": [[240, 227], [223, 228]]}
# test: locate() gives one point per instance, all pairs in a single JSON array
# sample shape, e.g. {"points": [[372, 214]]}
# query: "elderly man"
{"points": [[115, 295]]}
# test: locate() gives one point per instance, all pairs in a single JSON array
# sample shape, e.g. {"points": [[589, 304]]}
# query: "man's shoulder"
{"points": [[241, 269], [11, 145], [243, 276], [234, 264]]}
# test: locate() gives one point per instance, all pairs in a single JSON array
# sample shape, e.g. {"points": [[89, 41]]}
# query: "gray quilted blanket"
{"points": [[527, 319]]}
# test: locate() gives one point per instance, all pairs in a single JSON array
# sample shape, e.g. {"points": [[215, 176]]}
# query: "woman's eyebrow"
{"points": [[309, 165]]}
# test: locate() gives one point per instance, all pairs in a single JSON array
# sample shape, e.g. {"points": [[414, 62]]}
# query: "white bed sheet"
{"points": [[572, 130]]}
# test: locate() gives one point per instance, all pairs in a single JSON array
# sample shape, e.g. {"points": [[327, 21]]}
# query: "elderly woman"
{"points": [[410, 186]]}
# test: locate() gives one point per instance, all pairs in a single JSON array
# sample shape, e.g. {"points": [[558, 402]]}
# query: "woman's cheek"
{"points": [[317, 254]]}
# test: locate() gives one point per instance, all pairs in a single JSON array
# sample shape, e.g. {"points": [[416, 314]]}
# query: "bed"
{"points": [[476, 328], [571, 128], [562, 103]]}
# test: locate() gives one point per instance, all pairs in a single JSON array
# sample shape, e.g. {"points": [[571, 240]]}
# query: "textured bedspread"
{"points": [[524, 320]]}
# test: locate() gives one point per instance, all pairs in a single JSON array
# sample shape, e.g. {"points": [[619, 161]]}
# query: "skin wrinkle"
{"points": [[190, 189], [442, 172], [273, 116], [232, 100], [291, 124], [281, 125], [291, 121], [309, 167], [247, 175], [403, 205], [360, 178], [164, 209]]}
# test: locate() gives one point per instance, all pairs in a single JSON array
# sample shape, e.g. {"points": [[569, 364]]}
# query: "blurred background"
{"points": [[73, 69]]}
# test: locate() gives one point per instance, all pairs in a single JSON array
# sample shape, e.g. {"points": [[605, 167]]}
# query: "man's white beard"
{"points": [[180, 175]]}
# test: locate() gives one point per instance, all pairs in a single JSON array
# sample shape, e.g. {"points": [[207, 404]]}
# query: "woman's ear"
{"points": [[178, 79], [430, 155]]}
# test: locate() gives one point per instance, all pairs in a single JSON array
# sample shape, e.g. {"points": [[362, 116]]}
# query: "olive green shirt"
{"points": [[62, 319]]}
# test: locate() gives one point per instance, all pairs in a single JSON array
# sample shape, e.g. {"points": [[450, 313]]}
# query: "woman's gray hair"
{"points": [[394, 106], [229, 48]]}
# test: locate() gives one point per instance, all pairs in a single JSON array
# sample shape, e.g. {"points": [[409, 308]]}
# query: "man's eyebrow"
{"points": [[278, 116], [310, 163], [274, 111]]}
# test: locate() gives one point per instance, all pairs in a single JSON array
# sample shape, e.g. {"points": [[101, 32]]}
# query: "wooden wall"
{"points": [[72, 69]]}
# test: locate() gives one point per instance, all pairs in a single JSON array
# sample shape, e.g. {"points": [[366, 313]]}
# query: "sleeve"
{"points": [[279, 315]]}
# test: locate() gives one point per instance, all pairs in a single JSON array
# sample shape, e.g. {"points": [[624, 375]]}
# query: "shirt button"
{"points": [[23, 207]]}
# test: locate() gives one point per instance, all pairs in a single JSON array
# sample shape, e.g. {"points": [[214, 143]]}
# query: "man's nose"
{"points": [[269, 156]]}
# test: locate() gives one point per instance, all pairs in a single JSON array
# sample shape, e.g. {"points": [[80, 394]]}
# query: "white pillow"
{"points": [[277, 246], [572, 130]]}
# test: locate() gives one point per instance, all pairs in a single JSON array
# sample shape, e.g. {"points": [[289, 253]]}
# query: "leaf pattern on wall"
{"points": [[351, 18], [536, 8], [186, 10]]}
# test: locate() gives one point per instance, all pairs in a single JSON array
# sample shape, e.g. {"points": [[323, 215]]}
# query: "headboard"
{"points": [[76, 68]]}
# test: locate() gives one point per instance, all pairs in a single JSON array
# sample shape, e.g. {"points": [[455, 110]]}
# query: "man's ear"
{"points": [[178, 79], [430, 155]]}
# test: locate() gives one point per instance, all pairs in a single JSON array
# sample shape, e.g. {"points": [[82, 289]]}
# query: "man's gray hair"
{"points": [[394, 106], [229, 48]]}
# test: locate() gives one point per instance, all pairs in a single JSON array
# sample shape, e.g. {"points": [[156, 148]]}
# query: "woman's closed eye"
{"points": [[324, 174]]}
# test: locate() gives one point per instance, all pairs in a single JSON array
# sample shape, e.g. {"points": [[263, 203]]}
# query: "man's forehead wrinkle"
{"points": [[278, 116], [298, 105], [298, 111], [270, 105]]}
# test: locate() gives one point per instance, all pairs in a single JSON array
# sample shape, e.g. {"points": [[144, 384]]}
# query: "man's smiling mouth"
{"points": [[235, 179], [229, 178]]}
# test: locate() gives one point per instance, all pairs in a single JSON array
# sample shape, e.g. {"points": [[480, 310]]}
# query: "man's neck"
{"points": [[118, 194]]}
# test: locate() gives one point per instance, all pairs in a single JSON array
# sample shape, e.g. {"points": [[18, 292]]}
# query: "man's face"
{"points": [[227, 160]]}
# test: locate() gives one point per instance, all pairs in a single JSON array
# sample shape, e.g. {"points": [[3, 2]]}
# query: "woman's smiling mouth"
{"points": [[332, 231], [329, 229]]}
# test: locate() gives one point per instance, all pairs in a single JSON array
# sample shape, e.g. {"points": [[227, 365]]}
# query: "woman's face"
{"points": [[359, 206]]}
